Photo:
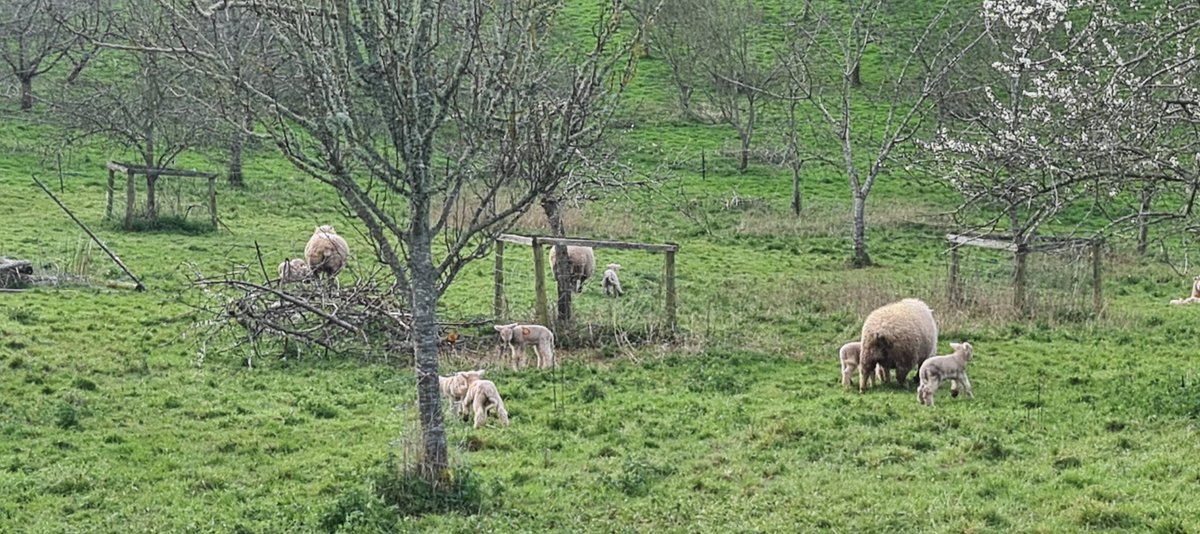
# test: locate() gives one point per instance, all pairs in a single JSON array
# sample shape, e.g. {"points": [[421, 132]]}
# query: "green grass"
{"points": [[108, 423]]}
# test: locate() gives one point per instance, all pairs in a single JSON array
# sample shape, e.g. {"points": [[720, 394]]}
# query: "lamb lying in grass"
{"points": [[518, 336], [293, 270], [941, 368], [1195, 298], [482, 397], [849, 355]]}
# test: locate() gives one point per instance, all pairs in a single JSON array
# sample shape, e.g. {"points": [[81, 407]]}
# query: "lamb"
{"points": [[1195, 293], [941, 368], [610, 282], [294, 270], [849, 357], [899, 336], [483, 397], [582, 262], [326, 252], [518, 336], [454, 387]]}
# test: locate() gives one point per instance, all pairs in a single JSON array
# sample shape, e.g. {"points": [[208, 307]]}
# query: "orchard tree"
{"points": [[32, 40]]}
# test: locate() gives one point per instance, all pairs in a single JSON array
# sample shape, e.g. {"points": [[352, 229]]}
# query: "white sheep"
{"points": [[518, 336], [454, 387], [326, 252], [610, 282], [898, 336], [938, 369], [849, 357], [582, 262], [294, 270], [482, 397], [1195, 298]]}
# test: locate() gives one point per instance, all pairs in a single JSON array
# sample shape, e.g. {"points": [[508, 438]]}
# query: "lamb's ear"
{"points": [[499, 327]]}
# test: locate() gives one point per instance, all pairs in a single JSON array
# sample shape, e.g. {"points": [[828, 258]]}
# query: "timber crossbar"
{"points": [[594, 243], [142, 169], [1045, 244]]}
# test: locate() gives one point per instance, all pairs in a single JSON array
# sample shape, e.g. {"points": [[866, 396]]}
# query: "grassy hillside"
{"points": [[109, 422]]}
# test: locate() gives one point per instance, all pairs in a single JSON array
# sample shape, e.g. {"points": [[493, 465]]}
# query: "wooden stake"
{"points": [[669, 280], [130, 198], [103, 247], [1019, 278], [539, 283], [212, 199], [108, 194], [952, 289], [498, 297], [1097, 278]]}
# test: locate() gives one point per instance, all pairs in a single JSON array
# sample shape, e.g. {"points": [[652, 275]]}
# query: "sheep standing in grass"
{"points": [[518, 336], [454, 387], [582, 263], [941, 368], [326, 252], [899, 336], [294, 270], [849, 355], [482, 397], [610, 282]]}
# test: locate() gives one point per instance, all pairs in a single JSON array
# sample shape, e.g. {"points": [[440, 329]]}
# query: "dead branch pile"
{"points": [[365, 320]]}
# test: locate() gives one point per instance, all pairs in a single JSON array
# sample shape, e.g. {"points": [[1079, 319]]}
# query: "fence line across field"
{"points": [[539, 242]]}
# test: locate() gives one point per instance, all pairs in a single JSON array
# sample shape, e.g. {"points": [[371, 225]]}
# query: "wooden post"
{"points": [[1097, 279], [1019, 278], [539, 283], [952, 288], [498, 298], [108, 194], [669, 280], [212, 199], [130, 198]]}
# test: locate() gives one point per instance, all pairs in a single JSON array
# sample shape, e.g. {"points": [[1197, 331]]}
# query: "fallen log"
{"points": [[14, 273]]}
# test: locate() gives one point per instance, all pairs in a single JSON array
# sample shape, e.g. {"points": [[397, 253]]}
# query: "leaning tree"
{"points": [[424, 117]]}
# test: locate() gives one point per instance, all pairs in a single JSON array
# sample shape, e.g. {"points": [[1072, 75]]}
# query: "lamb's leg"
{"points": [[929, 387], [966, 385], [546, 347], [537, 351], [480, 411], [513, 349], [954, 388], [847, 373]]}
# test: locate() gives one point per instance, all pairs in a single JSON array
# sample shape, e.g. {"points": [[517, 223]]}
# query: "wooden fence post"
{"points": [[130, 199], [669, 280], [498, 297], [1097, 278], [1019, 279], [108, 194], [212, 199], [952, 287], [539, 283]]}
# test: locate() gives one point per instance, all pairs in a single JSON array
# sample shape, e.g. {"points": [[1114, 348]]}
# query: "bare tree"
{"points": [[32, 41], [419, 114], [913, 58]]}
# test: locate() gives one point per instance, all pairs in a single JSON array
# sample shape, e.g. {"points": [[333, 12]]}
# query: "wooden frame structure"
{"points": [[539, 267], [131, 171], [1020, 254]]}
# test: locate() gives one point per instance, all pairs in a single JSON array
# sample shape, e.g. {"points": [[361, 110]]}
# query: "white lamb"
{"points": [[610, 283], [518, 336], [938, 369], [483, 397], [849, 357], [294, 270], [1195, 297], [454, 387]]}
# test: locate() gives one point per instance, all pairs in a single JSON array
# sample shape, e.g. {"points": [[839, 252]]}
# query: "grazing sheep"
{"points": [[941, 368], [899, 336], [583, 265], [294, 270], [518, 336], [483, 397], [610, 282], [849, 356], [326, 252]]}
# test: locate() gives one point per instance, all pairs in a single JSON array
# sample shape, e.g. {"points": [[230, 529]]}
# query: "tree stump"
{"points": [[14, 273]]}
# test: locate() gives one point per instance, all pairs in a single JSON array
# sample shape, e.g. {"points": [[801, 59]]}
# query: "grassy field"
{"points": [[110, 423]]}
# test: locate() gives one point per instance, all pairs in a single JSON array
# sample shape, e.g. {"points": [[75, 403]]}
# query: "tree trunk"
{"points": [[562, 265], [434, 460], [856, 76], [26, 92], [796, 194], [237, 143], [745, 153], [151, 184], [861, 258], [1144, 224]]}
